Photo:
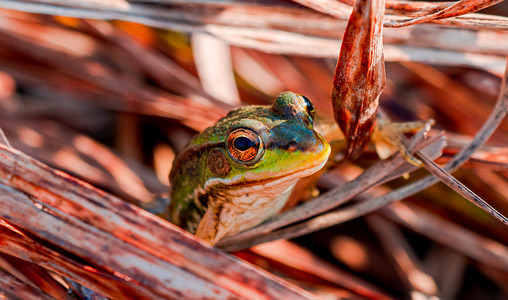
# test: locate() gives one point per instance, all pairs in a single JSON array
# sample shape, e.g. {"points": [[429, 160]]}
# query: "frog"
{"points": [[239, 172]]}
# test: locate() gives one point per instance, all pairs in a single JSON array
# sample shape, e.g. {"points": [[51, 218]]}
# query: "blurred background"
{"points": [[113, 102]]}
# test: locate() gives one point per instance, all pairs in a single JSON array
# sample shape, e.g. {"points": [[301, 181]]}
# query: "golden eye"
{"points": [[244, 145]]}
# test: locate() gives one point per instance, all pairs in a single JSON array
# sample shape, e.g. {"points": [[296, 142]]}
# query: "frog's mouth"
{"points": [[290, 176], [242, 181]]}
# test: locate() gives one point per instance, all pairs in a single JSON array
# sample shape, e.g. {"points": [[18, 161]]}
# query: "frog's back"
{"points": [[185, 177]]}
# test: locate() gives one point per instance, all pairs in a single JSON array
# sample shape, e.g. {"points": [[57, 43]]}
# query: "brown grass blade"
{"points": [[3, 138], [414, 9], [457, 186], [255, 72], [270, 27], [151, 254], [461, 240], [80, 155], [408, 264], [460, 8], [370, 205], [337, 9], [213, 61], [33, 275], [56, 260], [460, 188], [81, 70], [297, 257], [13, 288], [496, 276], [161, 104], [333, 198], [448, 268], [365, 207], [360, 75], [494, 181], [493, 157], [165, 72]]}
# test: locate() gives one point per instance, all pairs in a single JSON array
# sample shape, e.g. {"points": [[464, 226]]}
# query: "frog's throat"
{"points": [[259, 184]]}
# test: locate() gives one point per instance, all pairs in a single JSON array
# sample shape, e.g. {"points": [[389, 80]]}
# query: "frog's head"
{"points": [[265, 146]]}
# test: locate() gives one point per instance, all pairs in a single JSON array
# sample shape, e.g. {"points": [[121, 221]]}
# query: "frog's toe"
{"points": [[387, 139], [210, 229], [158, 205]]}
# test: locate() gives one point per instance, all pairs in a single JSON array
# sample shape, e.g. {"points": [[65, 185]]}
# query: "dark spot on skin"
{"points": [[247, 195], [292, 146], [134, 237], [96, 202], [203, 200], [191, 244], [218, 163], [178, 294], [216, 217]]}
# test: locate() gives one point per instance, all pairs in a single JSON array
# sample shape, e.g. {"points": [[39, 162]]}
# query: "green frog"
{"points": [[239, 172]]}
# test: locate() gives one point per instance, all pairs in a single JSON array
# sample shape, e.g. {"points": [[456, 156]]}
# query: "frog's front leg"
{"points": [[387, 140], [158, 205], [210, 229], [219, 220]]}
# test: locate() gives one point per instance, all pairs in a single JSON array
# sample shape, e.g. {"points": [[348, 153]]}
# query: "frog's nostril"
{"points": [[292, 146]]}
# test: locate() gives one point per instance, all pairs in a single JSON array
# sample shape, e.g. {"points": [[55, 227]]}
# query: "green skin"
{"points": [[215, 195]]}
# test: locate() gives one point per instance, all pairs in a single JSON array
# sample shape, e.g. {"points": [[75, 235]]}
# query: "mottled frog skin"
{"points": [[240, 171]]}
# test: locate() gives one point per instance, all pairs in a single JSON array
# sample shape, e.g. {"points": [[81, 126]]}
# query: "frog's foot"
{"points": [[210, 229], [387, 139], [158, 205]]}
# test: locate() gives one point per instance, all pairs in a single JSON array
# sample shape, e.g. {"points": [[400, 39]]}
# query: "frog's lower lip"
{"points": [[272, 181]]}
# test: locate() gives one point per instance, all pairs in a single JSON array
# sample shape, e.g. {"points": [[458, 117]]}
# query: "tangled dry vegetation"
{"points": [[109, 103]]}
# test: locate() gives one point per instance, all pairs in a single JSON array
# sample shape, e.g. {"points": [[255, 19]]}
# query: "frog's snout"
{"points": [[294, 137], [292, 146], [308, 142]]}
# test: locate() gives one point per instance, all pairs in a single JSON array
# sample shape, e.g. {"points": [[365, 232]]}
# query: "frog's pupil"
{"points": [[308, 105], [243, 143]]}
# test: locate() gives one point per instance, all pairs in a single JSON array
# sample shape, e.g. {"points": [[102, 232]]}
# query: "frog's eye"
{"points": [[244, 145], [309, 107]]}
